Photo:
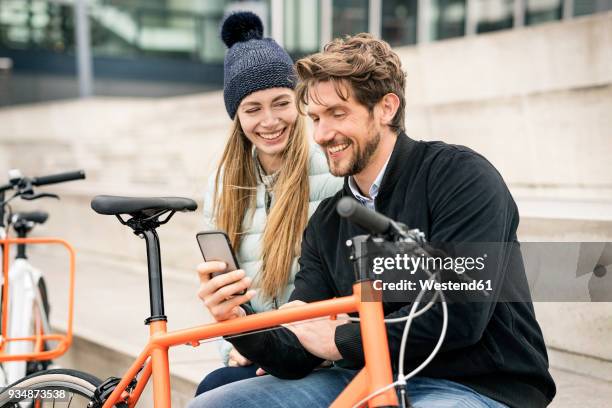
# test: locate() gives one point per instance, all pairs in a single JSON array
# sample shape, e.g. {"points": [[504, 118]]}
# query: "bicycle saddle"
{"points": [[114, 205], [38, 217]]}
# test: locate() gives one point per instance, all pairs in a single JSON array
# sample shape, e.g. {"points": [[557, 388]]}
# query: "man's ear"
{"points": [[389, 104]]}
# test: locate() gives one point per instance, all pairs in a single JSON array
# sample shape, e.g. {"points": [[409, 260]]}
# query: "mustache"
{"points": [[335, 142]]}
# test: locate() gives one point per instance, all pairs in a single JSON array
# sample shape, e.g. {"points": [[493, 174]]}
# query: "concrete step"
{"points": [[577, 391]]}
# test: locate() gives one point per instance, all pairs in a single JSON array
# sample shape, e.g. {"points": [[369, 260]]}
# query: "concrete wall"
{"points": [[537, 102]]}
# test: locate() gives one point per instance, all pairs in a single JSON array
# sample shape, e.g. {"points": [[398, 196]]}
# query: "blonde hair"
{"points": [[237, 178]]}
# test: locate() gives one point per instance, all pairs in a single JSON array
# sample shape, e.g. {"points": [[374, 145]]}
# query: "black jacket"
{"points": [[452, 194]]}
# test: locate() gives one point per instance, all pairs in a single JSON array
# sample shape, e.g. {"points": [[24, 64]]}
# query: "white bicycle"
{"points": [[25, 330]]}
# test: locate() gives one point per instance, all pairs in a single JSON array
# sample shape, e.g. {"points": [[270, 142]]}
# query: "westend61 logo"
{"points": [[413, 263]]}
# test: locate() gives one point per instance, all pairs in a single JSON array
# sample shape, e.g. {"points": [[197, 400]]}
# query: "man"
{"points": [[493, 354]]}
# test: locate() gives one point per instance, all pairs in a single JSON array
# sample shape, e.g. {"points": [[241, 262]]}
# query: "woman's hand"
{"points": [[220, 294], [237, 360]]}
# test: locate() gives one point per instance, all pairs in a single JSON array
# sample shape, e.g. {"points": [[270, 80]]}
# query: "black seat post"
{"points": [[23, 223], [156, 288], [146, 213], [22, 232]]}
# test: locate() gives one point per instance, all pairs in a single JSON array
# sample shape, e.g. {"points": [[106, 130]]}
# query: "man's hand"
{"points": [[317, 335], [237, 360], [219, 294]]}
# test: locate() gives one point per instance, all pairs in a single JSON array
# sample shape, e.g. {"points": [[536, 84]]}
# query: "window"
{"points": [[399, 22], [448, 18], [350, 17], [494, 15], [301, 27], [583, 7], [541, 11]]}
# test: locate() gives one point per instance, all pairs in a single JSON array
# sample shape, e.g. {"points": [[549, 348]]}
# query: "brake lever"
{"points": [[30, 197]]}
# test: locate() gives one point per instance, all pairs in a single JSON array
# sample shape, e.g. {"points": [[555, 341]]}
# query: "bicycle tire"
{"points": [[42, 288], [75, 383], [36, 365]]}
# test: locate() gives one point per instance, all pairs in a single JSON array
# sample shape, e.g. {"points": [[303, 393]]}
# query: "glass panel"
{"points": [[174, 28], [35, 25], [541, 11], [448, 18], [183, 29], [349, 17], [399, 22], [301, 27], [583, 7], [494, 15]]}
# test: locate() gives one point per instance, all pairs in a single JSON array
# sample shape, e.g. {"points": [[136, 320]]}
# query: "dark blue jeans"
{"points": [[321, 387], [225, 375]]}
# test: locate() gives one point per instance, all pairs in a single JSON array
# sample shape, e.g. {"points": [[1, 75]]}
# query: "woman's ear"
{"points": [[389, 104]]}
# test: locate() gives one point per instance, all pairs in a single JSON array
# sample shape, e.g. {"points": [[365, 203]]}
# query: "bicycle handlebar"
{"points": [[372, 221], [24, 185], [58, 178], [44, 180]]}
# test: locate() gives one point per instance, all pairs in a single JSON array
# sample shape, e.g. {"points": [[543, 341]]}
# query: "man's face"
{"points": [[346, 130]]}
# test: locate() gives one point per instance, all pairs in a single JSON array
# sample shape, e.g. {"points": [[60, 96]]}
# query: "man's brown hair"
{"points": [[359, 65]]}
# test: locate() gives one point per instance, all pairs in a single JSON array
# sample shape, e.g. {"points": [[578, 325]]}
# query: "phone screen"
{"points": [[215, 246]]}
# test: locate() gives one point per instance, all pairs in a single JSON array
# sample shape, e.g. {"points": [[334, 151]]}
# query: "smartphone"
{"points": [[215, 246]]}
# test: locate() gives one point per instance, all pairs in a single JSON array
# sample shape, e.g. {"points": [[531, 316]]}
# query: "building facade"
{"points": [[170, 47]]}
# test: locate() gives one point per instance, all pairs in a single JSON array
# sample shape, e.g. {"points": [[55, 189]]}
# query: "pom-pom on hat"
{"points": [[252, 63]]}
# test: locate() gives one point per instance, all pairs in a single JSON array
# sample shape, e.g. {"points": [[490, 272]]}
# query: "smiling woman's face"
{"points": [[267, 117]]}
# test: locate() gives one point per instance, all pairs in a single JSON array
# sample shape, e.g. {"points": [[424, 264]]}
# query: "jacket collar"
{"points": [[396, 165]]}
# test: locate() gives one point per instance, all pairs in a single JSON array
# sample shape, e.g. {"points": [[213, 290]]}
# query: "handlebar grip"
{"points": [[362, 216], [58, 178]]}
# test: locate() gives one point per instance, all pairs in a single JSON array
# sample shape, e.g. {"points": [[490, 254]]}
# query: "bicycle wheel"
{"points": [[63, 388]]}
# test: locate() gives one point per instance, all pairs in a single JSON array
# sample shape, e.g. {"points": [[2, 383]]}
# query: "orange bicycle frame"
{"points": [[153, 361], [63, 340]]}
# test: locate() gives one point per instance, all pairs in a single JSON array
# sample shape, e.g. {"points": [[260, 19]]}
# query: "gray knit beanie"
{"points": [[252, 63]]}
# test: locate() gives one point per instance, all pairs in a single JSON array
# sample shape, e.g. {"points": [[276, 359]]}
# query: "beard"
{"points": [[358, 161]]}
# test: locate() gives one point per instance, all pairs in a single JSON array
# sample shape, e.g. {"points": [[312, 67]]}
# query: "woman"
{"points": [[269, 181]]}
